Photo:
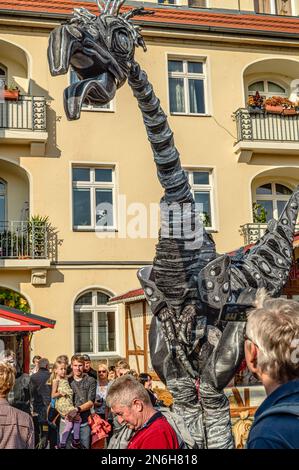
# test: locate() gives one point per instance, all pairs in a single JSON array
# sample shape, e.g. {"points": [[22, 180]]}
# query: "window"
{"points": [[2, 203], [91, 107], [272, 197], [197, 3], [3, 76], [275, 7], [267, 89], [201, 182], [187, 86], [93, 198], [95, 331]]}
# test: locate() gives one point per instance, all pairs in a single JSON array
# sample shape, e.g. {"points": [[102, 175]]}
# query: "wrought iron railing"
{"points": [[253, 232], [263, 126], [24, 239], [26, 113]]}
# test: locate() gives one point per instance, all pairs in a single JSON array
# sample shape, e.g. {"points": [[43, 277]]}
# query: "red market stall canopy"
{"points": [[13, 320]]}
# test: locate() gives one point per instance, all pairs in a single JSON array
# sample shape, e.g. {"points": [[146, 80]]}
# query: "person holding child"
{"points": [[62, 393]]}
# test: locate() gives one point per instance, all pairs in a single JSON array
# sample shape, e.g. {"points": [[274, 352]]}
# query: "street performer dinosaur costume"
{"points": [[199, 299]]}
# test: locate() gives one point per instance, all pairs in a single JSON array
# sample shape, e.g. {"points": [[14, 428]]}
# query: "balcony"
{"points": [[24, 122], [265, 133], [253, 232], [24, 244]]}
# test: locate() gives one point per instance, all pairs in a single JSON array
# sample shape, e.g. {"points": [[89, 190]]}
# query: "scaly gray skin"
{"points": [[190, 290]]}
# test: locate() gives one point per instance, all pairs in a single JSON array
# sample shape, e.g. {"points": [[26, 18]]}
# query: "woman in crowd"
{"points": [[146, 380], [101, 393]]}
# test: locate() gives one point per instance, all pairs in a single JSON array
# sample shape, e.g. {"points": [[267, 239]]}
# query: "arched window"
{"points": [[272, 198], [95, 331], [267, 89], [3, 189], [3, 76]]}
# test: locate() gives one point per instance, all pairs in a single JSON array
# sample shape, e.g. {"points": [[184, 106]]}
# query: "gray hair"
{"points": [[124, 390], [273, 326], [43, 363], [8, 357]]}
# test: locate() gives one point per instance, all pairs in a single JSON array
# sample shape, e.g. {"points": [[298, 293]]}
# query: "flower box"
{"points": [[11, 95], [255, 110], [290, 112], [274, 109]]}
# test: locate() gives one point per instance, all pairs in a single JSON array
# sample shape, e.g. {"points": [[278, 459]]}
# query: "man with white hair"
{"points": [[272, 355], [130, 402]]}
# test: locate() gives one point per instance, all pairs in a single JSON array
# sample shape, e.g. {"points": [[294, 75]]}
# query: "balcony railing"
{"points": [[265, 126], [253, 232], [27, 113], [24, 239]]}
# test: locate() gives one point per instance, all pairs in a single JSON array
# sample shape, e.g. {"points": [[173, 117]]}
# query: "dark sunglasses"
{"points": [[102, 371]]}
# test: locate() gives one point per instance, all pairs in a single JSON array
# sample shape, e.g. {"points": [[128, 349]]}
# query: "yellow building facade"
{"points": [[50, 167]]}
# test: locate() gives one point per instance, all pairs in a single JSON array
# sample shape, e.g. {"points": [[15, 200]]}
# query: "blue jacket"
{"points": [[276, 422]]}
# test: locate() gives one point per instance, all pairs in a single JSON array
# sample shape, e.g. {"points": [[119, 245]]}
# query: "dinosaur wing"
{"points": [[267, 264]]}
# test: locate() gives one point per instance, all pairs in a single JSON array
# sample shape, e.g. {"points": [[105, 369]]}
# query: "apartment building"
{"points": [[62, 257]]}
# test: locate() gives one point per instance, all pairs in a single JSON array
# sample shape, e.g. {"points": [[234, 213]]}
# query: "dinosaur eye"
{"points": [[122, 43]]}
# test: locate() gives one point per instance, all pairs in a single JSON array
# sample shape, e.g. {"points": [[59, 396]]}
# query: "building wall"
{"points": [[118, 138], [243, 5]]}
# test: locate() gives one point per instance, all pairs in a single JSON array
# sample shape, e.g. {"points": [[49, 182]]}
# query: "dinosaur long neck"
{"points": [[167, 158], [177, 261]]}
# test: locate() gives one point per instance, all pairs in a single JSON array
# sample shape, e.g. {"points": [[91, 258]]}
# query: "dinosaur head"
{"points": [[99, 49]]}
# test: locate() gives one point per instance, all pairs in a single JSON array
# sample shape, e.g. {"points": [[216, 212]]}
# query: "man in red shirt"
{"points": [[130, 402]]}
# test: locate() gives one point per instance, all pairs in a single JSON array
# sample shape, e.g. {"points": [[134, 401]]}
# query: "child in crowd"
{"points": [[63, 395]]}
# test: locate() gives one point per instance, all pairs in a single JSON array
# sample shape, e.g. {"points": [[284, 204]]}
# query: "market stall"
{"points": [[16, 330]]}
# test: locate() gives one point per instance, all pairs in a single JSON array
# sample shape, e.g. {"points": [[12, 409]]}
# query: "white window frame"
{"points": [[186, 76], [209, 188], [272, 197], [274, 10], [4, 77], [206, 5], [4, 194], [90, 107], [93, 185], [267, 93], [166, 2], [95, 309]]}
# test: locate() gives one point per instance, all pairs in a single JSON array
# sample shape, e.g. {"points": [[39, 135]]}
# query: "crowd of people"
{"points": [[72, 405], [56, 401]]}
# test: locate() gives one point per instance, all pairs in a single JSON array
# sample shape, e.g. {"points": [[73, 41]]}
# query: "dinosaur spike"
{"points": [[107, 5], [101, 7], [119, 5], [138, 11], [112, 7]]}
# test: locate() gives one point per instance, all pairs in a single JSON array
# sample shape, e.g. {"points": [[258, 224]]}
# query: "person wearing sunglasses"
{"points": [[272, 355], [101, 393]]}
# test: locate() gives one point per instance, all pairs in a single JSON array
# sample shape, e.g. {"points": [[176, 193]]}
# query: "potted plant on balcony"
{"points": [[38, 228], [259, 213], [11, 92], [274, 105], [255, 103], [289, 107]]}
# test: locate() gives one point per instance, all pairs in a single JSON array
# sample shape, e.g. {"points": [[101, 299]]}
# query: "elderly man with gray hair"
{"points": [[272, 355], [130, 402]]}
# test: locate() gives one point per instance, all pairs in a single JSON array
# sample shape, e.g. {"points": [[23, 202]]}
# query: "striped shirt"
{"points": [[16, 428]]}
